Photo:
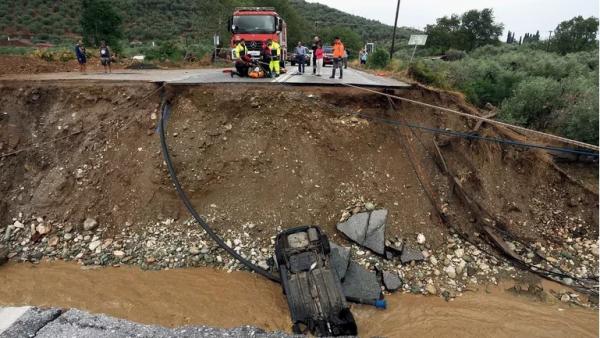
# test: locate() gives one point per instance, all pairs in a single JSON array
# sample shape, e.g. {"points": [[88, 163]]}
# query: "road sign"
{"points": [[417, 40]]}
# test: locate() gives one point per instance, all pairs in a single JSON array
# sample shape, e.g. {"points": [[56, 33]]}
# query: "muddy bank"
{"points": [[257, 159], [204, 296]]}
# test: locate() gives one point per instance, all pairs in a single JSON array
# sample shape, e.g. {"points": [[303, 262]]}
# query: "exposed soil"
{"points": [[256, 159], [204, 296], [274, 157], [24, 64]]}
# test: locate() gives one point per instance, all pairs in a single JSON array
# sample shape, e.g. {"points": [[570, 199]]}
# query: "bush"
{"points": [[378, 59], [428, 73], [167, 50], [533, 101], [454, 55]]}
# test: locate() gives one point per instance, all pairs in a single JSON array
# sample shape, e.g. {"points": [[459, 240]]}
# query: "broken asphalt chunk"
{"points": [[410, 254], [340, 258], [360, 283], [367, 229], [391, 281]]}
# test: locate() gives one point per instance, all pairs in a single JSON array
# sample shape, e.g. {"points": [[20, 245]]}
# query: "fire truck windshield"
{"points": [[254, 24]]}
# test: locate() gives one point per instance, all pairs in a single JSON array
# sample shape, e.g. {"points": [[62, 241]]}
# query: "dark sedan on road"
{"points": [[327, 55]]}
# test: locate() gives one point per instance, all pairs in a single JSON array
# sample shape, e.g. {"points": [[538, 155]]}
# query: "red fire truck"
{"points": [[255, 25]]}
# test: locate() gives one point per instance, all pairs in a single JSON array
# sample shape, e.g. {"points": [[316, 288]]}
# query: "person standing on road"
{"points": [[275, 55], [363, 56], [105, 56], [80, 55], [345, 58], [265, 62], [300, 52], [338, 55], [319, 58], [316, 42]]}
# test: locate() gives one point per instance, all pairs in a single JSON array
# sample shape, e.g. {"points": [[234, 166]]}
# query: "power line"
{"points": [[475, 136]]}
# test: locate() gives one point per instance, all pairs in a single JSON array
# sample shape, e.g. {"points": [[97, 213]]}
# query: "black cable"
{"points": [[537, 270], [474, 136], [186, 201]]}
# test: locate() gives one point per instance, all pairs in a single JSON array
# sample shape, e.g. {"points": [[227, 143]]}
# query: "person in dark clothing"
{"points": [[105, 57], [265, 58], [316, 43], [242, 65], [80, 54]]}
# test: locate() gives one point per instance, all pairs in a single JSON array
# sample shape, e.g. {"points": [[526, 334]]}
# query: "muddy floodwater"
{"points": [[204, 296]]}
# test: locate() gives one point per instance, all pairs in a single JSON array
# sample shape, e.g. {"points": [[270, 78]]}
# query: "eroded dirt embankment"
{"points": [[210, 297], [258, 158]]}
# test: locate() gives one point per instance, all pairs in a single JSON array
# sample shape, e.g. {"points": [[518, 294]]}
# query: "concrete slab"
{"points": [[361, 283], [53, 322], [30, 322], [367, 229], [9, 315], [340, 258], [215, 76]]}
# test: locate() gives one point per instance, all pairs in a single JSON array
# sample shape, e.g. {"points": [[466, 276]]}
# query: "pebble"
{"points": [[194, 250], [119, 253], [89, 224], [431, 289], [67, 236], [369, 206], [43, 229], [53, 241], [450, 271], [94, 244], [420, 238], [565, 298], [433, 260], [459, 252]]}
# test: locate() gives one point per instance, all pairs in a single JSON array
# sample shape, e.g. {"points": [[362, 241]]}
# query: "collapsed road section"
{"points": [[83, 179]]}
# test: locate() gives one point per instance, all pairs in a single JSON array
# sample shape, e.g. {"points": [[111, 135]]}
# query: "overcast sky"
{"points": [[520, 16]]}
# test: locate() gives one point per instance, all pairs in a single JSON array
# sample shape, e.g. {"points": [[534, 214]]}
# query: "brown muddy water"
{"points": [[204, 296]]}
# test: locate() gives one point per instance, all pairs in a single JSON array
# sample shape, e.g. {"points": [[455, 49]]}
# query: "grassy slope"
{"points": [[168, 19]]}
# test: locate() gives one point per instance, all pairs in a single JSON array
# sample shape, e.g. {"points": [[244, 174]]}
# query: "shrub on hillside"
{"points": [[378, 59], [533, 102], [453, 54]]}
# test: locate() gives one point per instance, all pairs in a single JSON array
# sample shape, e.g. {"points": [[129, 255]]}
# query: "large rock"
{"points": [[391, 281], [360, 283], [410, 254], [89, 224], [340, 258], [367, 229]]}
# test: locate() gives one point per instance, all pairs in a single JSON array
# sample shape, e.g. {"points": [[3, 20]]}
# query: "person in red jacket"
{"points": [[318, 58], [338, 56]]}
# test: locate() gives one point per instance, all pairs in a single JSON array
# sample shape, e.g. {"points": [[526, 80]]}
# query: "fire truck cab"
{"points": [[256, 25]]}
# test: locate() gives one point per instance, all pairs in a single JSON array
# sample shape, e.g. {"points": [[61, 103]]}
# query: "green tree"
{"points": [[350, 39], [100, 21], [577, 34], [471, 30], [378, 59]]}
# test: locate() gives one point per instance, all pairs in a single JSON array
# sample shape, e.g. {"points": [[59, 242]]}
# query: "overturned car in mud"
{"points": [[311, 285]]}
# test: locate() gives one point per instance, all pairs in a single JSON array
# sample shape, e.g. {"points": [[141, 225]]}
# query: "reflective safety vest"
{"points": [[275, 50], [240, 50]]}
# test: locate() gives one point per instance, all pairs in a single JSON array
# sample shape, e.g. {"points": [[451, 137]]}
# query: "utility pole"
{"points": [[394, 34], [548, 44]]}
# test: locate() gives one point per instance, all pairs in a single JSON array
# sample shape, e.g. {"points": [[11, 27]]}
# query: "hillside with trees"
{"points": [[546, 85], [161, 20]]}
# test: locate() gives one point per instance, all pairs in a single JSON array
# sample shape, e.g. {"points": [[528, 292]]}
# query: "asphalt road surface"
{"points": [[220, 75]]}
